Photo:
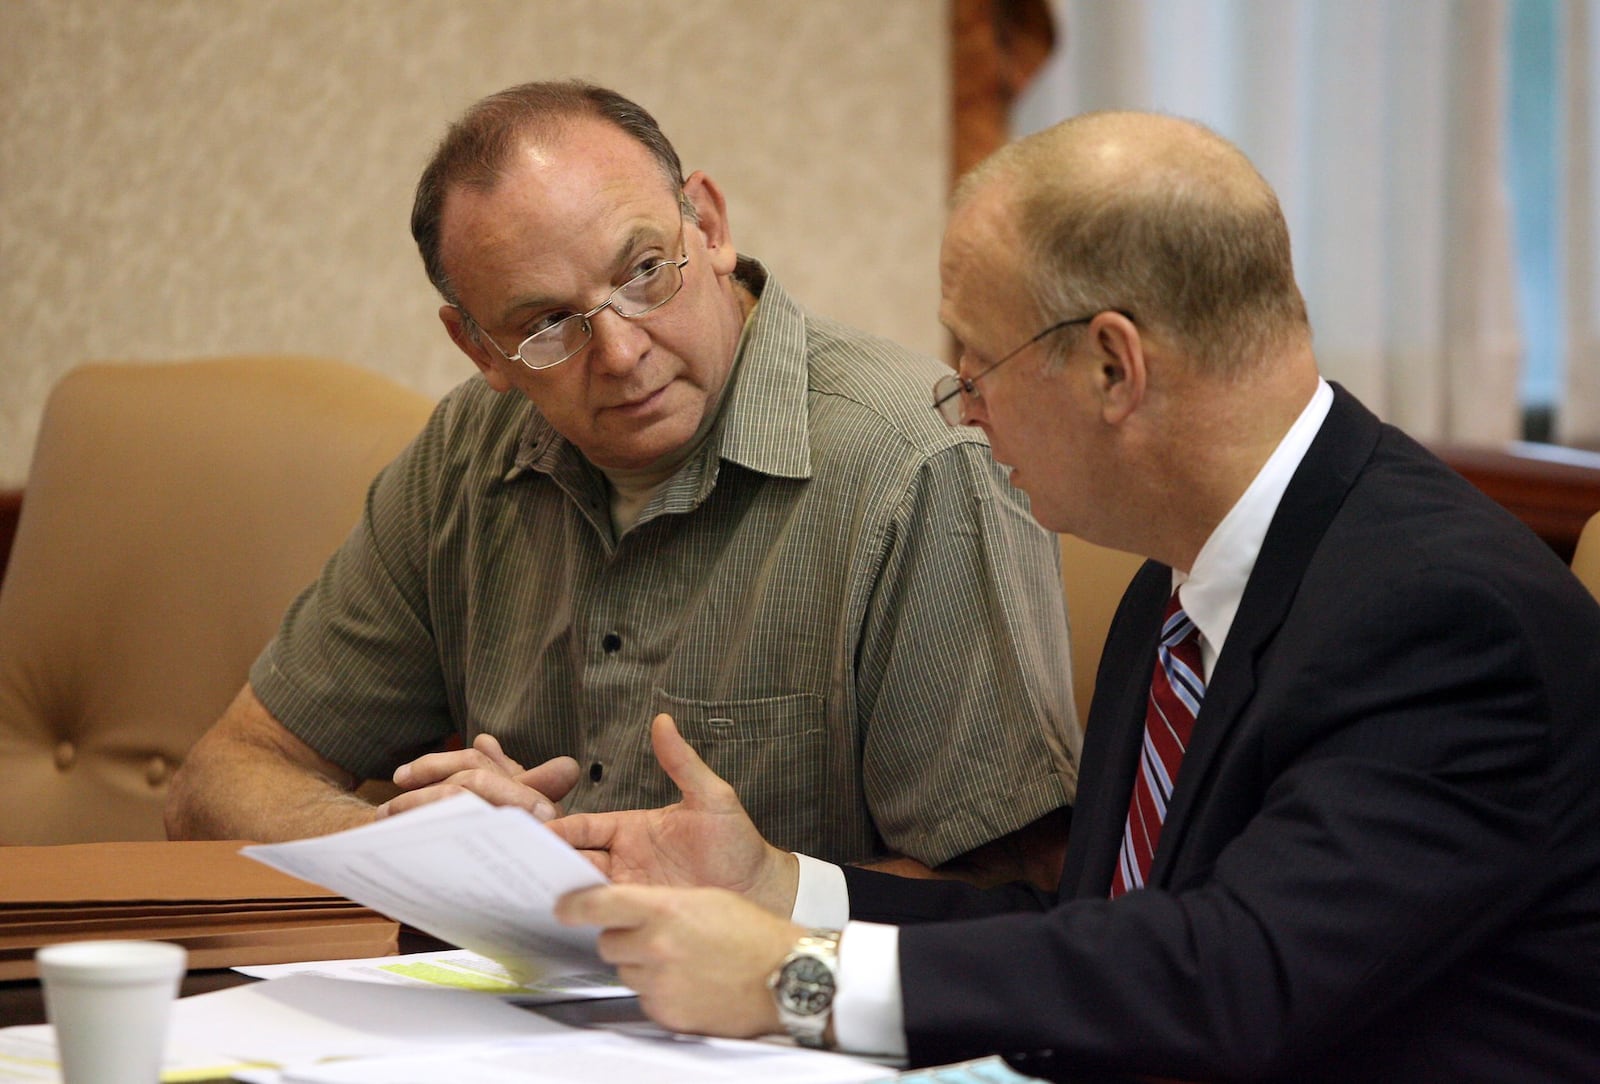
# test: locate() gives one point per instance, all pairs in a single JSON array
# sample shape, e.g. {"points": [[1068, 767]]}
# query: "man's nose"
{"points": [[972, 412], [616, 343]]}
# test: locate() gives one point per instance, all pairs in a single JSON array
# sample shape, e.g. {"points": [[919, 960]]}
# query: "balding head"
{"points": [[1155, 216], [477, 149]]}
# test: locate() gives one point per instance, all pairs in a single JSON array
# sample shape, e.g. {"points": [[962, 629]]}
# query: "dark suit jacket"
{"points": [[1382, 856]]}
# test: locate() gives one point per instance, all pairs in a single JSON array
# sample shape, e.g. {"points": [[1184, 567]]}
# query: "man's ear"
{"points": [[1120, 373], [712, 210], [456, 326]]}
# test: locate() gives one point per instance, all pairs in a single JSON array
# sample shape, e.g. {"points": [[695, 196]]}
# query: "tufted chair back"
{"points": [[171, 514]]}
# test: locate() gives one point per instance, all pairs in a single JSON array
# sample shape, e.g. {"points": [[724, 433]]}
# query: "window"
{"points": [[1534, 172]]}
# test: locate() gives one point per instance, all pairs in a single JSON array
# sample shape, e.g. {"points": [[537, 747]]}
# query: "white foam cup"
{"points": [[110, 1002]]}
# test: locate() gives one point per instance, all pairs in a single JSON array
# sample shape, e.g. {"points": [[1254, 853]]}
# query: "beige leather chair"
{"points": [[1586, 558], [171, 514], [1093, 579]]}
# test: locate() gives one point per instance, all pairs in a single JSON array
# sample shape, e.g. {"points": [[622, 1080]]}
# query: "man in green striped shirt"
{"points": [[670, 488]]}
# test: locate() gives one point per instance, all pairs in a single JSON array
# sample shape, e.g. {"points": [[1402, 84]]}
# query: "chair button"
{"points": [[156, 772], [597, 772], [66, 755]]}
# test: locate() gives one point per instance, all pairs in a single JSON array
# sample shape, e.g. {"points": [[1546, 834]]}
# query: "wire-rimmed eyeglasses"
{"points": [[558, 339], [947, 390]]}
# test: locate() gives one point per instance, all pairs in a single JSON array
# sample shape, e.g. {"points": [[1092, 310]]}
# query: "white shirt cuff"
{"points": [[821, 901], [868, 1017]]}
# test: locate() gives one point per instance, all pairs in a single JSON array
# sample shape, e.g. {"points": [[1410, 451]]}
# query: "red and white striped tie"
{"points": [[1177, 689]]}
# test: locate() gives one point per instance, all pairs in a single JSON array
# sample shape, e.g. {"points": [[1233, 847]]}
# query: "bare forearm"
{"points": [[259, 800], [249, 778]]}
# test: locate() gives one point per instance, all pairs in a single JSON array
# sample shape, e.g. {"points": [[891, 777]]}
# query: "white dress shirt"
{"points": [[867, 1012]]}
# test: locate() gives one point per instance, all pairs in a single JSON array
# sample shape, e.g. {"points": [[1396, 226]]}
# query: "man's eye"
{"points": [[545, 323]]}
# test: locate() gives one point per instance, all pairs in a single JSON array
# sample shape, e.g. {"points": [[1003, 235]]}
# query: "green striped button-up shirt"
{"points": [[841, 600]]}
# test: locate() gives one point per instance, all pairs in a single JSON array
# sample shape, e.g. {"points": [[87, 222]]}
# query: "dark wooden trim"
{"points": [[1554, 490], [10, 513], [996, 46]]}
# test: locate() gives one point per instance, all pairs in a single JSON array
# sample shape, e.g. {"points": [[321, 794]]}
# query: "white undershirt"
{"points": [[867, 1013]]}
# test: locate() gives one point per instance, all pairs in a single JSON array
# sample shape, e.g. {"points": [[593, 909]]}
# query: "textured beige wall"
{"points": [[192, 177]]}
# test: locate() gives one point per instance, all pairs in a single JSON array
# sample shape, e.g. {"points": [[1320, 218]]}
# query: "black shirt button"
{"points": [[612, 643], [596, 772]]}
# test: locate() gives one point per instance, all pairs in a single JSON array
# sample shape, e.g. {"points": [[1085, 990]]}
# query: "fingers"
{"points": [[699, 784], [416, 799], [486, 770], [554, 779], [489, 746], [698, 958], [610, 907], [591, 835], [600, 860], [484, 754], [588, 831], [486, 783]]}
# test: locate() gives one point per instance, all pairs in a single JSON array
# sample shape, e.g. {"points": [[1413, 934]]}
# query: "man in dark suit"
{"points": [[1338, 816]]}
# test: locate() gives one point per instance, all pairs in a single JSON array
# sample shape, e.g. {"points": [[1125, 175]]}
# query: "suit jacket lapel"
{"points": [[1331, 465], [1114, 734]]}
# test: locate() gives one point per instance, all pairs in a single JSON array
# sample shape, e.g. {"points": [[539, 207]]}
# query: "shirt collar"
{"points": [[766, 422], [1211, 591]]}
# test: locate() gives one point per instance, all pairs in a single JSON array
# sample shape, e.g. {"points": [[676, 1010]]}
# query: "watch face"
{"points": [[806, 986]]}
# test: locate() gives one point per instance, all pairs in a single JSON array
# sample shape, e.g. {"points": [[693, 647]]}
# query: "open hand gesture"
{"points": [[706, 839]]}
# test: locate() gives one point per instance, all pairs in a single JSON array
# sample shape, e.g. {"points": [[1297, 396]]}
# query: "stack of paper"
{"points": [[224, 908], [306, 1029], [481, 877], [310, 1030]]}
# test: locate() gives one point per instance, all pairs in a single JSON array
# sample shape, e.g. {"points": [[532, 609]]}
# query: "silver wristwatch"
{"points": [[804, 984]]}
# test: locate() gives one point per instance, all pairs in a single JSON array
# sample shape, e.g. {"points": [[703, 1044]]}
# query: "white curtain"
{"points": [[1381, 124]]}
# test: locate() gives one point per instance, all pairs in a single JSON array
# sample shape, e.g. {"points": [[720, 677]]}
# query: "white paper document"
{"points": [[306, 1029], [454, 969], [308, 1019], [479, 876], [586, 1057], [28, 1055]]}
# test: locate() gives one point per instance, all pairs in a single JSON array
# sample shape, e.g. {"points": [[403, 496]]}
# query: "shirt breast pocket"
{"points": [[773, 751]]}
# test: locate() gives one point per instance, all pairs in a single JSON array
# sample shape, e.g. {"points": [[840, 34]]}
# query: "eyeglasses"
{"points": [[948, 389], [559, 339]]}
